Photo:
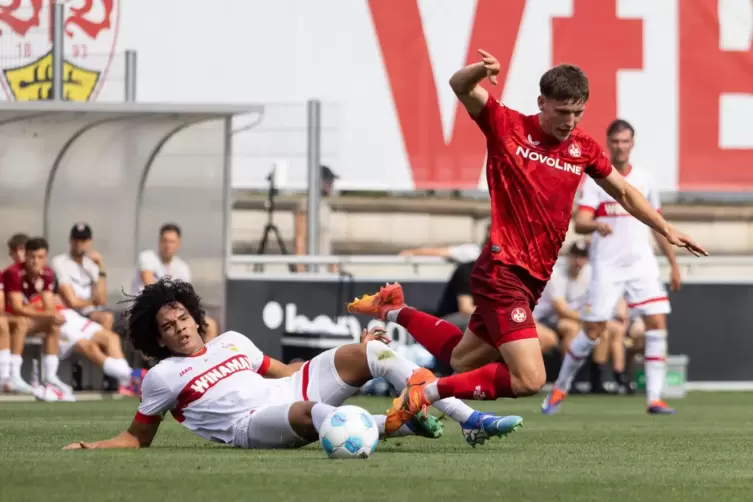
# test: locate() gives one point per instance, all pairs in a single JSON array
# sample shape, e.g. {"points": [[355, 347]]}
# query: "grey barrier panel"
{"points": [[62, 162], [710, 323]]}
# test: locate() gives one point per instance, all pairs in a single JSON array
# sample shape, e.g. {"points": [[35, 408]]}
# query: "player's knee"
{"points": [[529, 383], [352, 361], [594, 329], [568, 328], [529, 386], [302, 421], [84, 347]]}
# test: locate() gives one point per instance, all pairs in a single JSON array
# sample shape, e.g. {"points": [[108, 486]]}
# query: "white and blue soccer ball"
{"points": [[349, 432]]}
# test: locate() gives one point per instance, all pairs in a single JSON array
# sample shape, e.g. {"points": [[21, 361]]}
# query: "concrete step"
{"points": [[388, 225]]}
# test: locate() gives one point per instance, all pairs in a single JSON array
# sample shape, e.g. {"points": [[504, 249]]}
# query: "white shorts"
{"points": [[644, 295], [268, 426], [76, 327], [318, 381]]}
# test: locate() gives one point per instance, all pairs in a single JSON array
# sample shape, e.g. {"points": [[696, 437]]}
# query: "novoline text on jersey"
{"points": [[526, 153]]}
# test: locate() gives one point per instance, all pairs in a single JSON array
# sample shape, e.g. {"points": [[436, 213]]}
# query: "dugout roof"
{"points": [[125, 169]]}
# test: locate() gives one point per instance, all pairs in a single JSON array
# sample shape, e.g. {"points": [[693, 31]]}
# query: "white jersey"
{"points": [[82, 277], [211, 392], [149, 260], [628, 251], [561, 285]]}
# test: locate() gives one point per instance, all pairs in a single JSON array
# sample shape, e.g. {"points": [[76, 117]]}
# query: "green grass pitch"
{"points": [[596, 449]]}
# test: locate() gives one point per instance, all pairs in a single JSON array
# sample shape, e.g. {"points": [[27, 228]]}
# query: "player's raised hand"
{"points": [[683, 241], [80, 446], [377, 333], [603, 228], [491, 64]]}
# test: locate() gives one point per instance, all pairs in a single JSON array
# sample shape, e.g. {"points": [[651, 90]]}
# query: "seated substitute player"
{"points": [[11, 351], [82, 278], [623, 265], [79, 334], [219, 391], [25, 284], [100, 346], [167, 263], [535, 164]]}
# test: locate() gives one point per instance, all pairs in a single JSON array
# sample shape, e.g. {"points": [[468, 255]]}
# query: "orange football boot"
{"points": [[389, 297], [411, 401]]}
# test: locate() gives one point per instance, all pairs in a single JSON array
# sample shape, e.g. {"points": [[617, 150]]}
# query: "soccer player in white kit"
{"points": [[623, 264], [228, 391]]}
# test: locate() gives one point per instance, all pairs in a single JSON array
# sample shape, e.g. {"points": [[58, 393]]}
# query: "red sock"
{"points": [[437, 336], [485, 383]]}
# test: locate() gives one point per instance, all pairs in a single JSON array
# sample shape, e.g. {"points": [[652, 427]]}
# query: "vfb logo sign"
{"points": [[90, 34]]}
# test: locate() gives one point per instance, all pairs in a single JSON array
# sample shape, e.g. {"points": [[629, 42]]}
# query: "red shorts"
{"points": [[505, 296]]}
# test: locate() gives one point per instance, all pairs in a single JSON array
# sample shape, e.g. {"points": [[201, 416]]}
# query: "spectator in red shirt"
{"points": [[29, 296], [14, 347]]}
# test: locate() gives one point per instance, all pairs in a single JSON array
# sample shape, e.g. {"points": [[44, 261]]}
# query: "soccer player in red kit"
{"points": [[535, 164]]}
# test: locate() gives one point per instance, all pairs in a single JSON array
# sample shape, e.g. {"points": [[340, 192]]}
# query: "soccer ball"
{"points": [[349, 432]]}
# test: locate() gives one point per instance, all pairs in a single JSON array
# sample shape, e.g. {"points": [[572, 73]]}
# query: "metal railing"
{"points": [[251, 265]]}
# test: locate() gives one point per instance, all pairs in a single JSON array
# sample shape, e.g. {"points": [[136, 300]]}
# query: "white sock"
{"points": [[403, 431], [655, 363], [4, 365], [50, 363], [16, 361], [125, 371], [580, 348], [431, 391], [392, 314], [118, 369], [319, 413], [384, 362]]}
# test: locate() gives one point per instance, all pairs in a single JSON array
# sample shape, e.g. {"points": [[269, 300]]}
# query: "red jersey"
{"points": [[533, 179], [16, 280]]}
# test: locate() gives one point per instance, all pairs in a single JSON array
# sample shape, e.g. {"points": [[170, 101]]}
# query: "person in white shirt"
{"points": [[166, 263], [327, 178], [623, 264], [228, 391], [81, 277]]}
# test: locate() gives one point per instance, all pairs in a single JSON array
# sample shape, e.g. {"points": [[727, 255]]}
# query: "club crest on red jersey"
{"points": [[518, 315], [574, 150]]}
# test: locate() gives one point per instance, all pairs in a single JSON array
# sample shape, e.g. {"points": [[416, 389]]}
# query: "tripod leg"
{"points": [[262, 247], [264, 238], [281, 244]]}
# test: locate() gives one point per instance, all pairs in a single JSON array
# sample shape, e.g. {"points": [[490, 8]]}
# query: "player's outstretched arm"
{"points": [[465, 82], [638, 206], [138, 435]]}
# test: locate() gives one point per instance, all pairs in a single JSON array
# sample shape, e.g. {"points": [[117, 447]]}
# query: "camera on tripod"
{"points": [[275, 176]]}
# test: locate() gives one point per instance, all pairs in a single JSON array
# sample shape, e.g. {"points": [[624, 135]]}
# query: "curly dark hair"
{"points": [[141, 316]]}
